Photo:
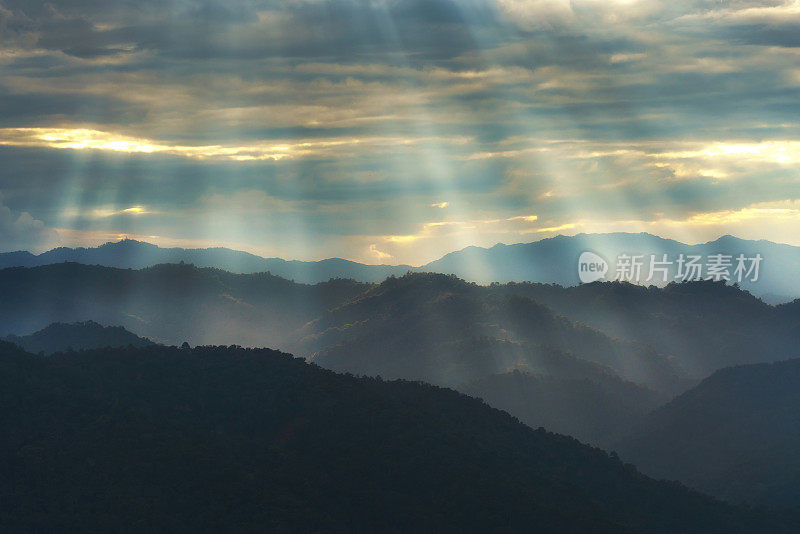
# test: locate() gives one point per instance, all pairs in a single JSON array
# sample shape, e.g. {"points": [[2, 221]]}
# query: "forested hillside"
{"points": [[704, 325], [226, 439], [433, 327], [736, 435], [632, 348]]}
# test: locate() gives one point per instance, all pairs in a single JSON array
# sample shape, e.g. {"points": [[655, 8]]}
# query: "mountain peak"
{"points": [[725, 240], [128, 243], [58, 337]]}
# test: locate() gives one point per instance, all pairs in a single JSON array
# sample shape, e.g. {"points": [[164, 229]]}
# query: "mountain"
{"points": [[59, 337], [703, 325], [555, 260], [600, 355], [446, 331], [226, 439], [551, 261], [592, 410], [736, 435], [132, 254], [169, 303], [434, 328]]}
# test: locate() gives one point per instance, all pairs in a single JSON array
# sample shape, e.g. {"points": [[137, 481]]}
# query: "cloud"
{"points": [[379, 255], [108, 211], [88, 139], [526, 218], [20, 231], [554, 229], [330, 126]]}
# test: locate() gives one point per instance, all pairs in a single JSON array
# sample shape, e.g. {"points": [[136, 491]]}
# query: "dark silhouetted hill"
{"points": [[59, 337], [225, 439], [736, 435]]}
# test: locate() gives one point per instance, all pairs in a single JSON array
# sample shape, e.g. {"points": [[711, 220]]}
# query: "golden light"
{"points": [[90, 139]]}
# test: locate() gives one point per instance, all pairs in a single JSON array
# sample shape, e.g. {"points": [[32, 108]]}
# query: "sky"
{"points": [[396, 131]]}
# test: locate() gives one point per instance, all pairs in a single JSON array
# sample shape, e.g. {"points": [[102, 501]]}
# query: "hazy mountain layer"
{"points": [[77, 336], [736, 435], [590, 409], [438, 329], [131, 254], [704, 325], [167, 303], [433, 327], [553, 260]]}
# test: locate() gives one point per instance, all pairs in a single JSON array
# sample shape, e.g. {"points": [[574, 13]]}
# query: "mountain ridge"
{"points": [[58, 337], [735, 435], [130, 253], [550, 260], [589, 361]]}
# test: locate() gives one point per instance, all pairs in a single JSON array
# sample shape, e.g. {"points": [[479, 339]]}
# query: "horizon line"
{"points": [[337, 258]]}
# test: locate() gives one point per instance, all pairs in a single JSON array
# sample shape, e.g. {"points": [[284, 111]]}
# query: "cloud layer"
{"points": [[395, 131]]}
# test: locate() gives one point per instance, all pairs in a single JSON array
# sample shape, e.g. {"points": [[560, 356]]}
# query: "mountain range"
{"points": [[703, 325], [553, 260], [613, 364], [217, 439], [450, 331], [132, 254], [607, 353], [169, 303]]}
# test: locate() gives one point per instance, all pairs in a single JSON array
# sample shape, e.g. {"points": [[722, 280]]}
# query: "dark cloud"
{"points": [[486, 104], [785, 35]]}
